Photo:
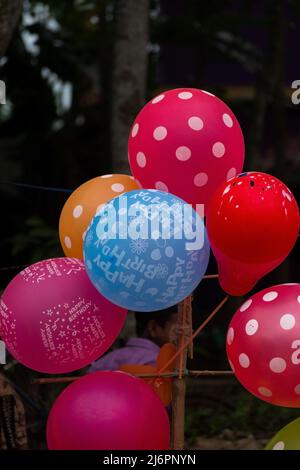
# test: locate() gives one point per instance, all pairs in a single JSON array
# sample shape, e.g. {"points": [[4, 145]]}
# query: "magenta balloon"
{"points": [[108, 411], [53, 320]]}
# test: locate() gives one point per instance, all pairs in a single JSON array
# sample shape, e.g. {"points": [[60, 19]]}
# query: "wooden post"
{"points": [[179, 385]]}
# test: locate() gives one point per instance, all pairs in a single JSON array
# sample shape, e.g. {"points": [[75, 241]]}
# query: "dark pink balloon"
{"points": [[53, 320], [108, 411], [187, 142], [263, 345]]}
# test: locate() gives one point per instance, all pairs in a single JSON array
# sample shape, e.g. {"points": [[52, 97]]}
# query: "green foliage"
{"points": [[38, 239], [59, 44], [235, 409]]}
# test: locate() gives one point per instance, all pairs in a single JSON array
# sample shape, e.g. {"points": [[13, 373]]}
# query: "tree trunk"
{"points": [[129, 74], [10, 11]]}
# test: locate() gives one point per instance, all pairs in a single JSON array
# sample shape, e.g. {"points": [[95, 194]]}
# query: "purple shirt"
{"points": [[136, 351]]}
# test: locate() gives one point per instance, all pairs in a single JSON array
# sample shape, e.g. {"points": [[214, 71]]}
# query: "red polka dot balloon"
{"points": [[187, 142], [263, 345]]}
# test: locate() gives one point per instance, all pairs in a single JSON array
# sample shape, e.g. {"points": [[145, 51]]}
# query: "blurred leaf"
{"points": [[38, 238]]}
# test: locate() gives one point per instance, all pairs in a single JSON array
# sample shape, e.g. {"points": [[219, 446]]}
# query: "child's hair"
{"points": [[160, 317]]}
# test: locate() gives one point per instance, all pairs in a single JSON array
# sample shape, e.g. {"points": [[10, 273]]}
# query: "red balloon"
{"points": [[187, 142], [263, 345], [252, 225]]}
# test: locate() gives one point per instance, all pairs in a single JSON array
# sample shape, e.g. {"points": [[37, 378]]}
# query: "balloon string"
{"points": [[193, 336], [42, 188]]}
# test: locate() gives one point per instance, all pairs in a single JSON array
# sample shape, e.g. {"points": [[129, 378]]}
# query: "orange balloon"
{"points": [[161, 385], [166, 353], [136, 369], [83, 204]]}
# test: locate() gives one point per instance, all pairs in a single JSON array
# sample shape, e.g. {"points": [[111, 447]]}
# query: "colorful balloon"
{"points": [[83, 204], [263, 345], [187, 142], [144, 253], [53, 320], [288, 438], [108, 411], [252, 225]]}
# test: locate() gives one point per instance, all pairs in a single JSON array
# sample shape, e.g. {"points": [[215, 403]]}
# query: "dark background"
{"points": [[76, 74]]}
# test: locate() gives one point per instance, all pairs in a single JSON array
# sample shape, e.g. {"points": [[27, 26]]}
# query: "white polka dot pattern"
{"points": [[270, 296], [218, 149], [200, 179], [230, 335], [135, 130], [185, 95], [279, 446], [277, 365], [68, 242], [183, 153], [157, 99], [265, 392], [118, 187], [160, 133], [195, 123], [251, 327], [77, 211], [141, 159], [287, 321]]}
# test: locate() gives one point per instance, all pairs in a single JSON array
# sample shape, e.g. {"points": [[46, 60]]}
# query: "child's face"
{"points": [[165, 334]]}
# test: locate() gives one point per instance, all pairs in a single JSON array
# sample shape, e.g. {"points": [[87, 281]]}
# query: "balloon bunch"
{"points": [[145, 247]]}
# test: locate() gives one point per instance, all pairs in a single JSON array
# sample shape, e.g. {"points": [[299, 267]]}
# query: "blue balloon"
{"points": [[146, 250]]}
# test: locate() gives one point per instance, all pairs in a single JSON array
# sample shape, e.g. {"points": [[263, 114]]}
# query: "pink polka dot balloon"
{"points": [[187, 142], [263, 345], [108, 411], [53, 320]]}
